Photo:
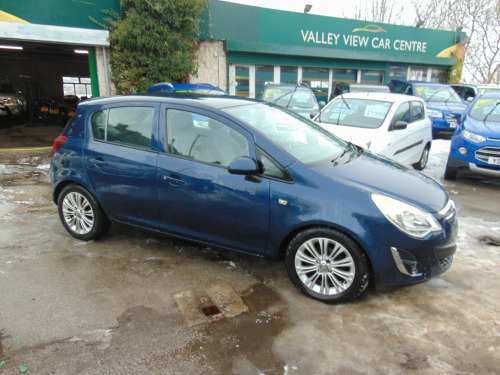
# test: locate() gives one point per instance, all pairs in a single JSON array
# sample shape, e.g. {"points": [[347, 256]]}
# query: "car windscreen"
{"points": [[290, 97], [486, 109], [358, 113], [443, 94], [296, 135]]}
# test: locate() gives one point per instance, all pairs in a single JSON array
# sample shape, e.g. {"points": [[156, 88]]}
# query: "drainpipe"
{"points": [[93, 73]]}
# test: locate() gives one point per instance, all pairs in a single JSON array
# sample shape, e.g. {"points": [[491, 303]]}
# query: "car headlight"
{"points": [[434, 113], [407, 218], [476, 138]]}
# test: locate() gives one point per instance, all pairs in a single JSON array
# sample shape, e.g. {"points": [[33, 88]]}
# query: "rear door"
{"points": [[197, 196], [121, 157]]}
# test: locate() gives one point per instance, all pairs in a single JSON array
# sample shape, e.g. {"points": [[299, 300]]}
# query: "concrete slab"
{"points": [[199, 306]]}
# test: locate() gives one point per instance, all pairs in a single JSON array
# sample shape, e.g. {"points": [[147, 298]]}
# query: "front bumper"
{"points": [[413, 261]]}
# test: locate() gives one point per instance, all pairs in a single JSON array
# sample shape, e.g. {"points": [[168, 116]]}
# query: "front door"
{"points": [[198, 197]]}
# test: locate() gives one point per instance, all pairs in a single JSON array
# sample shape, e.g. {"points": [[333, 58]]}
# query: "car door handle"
{"points": [[174, 180], [99, 162]]}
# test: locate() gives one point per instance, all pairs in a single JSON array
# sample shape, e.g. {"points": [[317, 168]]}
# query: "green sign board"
{"points": [[260, 30]]}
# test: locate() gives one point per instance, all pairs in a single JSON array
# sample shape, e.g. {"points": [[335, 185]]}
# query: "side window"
{"points": [[468, 93], [408, 90], [204, 139], [418, 111], [131, 126], [402, 113], [270, 167]]}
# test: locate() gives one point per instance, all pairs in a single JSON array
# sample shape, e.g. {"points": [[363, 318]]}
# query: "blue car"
{"points": [[444, 105], [249, 176], [192, 88], [475, 146]]}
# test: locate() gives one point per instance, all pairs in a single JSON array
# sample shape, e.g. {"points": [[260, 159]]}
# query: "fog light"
{"points": [[462, 150], [406, 262]]}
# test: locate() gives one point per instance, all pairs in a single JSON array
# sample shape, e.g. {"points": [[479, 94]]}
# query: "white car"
{"points": [[393, 125]]}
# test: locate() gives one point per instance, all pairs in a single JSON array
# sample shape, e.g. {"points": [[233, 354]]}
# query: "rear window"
{"points": [[130, 126]]}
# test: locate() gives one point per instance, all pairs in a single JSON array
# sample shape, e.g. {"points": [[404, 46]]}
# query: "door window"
{"points": [[204, 139], [417, 111], [130, 126], [402, 113]]}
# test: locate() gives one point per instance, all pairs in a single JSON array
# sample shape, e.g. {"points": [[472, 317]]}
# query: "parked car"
{"points": [[192, 88], [393, 125], [247, 175], [11, 103], [344, 88], [444, 105], [299, 98], [475, 146], [469, 91]]}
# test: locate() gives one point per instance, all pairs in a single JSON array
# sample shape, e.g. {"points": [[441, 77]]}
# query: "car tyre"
{"points": [[80, 213], [424, 158], [450, 173], [327, 265]]}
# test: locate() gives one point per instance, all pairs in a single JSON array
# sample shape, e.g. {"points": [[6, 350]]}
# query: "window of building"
{"points": [[372, 77], [398, 72], [318, 80], [79, 86], [289, 74], [418, 74], [264, 74], [439, 75]]}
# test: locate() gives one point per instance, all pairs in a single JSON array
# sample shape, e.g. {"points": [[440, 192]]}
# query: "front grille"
{"points": [[449, 211], [493, 139], [446, 262], [483, 154]]}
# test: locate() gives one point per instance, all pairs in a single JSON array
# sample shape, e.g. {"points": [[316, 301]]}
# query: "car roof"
{"points": [[223, 101], [288, 85], [388, 97]]}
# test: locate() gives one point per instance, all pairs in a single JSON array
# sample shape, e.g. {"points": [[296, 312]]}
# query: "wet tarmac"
{"points": [[108, 307]]}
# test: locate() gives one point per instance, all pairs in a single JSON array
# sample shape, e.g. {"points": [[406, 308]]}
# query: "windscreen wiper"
{"points": [[490, 112]]}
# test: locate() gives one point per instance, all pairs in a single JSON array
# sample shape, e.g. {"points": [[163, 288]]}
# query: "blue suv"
{"points": [[249, 176], [475, 146], [444, 105]]}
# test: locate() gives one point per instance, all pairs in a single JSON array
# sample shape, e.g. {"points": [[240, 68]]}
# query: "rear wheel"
{"points": [[327, 265], [80, 213], [424, 158]]}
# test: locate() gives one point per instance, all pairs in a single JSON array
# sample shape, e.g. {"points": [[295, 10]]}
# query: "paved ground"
{"points": [[106, 307]]}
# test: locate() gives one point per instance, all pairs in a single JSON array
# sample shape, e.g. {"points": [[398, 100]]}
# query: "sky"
{"points": [[330, 8]]}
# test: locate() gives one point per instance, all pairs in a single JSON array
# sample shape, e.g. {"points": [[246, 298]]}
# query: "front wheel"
{"points": [[80, 213], [450, 173], [327, 265]]}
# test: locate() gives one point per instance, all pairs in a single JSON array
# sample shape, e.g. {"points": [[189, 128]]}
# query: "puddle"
{"points": [[245, 341]]}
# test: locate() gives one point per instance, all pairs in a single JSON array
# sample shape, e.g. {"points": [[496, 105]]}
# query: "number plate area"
{"points": [[494, 161]]}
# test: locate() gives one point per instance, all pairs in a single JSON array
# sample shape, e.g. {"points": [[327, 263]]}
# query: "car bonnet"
{"points": [[377, 174]]}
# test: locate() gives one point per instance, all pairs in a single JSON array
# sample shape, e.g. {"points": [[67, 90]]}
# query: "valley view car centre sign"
{"points": [[249, 29]]}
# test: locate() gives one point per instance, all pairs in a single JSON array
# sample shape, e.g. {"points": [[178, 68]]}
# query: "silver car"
{"points": [[11, 105]]}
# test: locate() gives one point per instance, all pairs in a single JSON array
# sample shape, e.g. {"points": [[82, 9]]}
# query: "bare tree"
{"points": [[480, 19], [385, 11]]}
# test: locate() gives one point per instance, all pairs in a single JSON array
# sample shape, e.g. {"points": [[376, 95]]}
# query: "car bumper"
{"points": [[444, 126], [412, 261], [472, 167]]}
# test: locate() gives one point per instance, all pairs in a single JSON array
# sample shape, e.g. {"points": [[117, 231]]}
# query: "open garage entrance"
{"points": [[44, 73]]}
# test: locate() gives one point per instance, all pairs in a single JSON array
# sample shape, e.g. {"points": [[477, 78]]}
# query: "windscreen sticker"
{"points": [[376, 111]]}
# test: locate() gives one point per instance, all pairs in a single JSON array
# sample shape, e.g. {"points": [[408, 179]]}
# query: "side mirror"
{"points": [[243, 166], [399, 125], [321, 104], [469, 99], [313, 114]]}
